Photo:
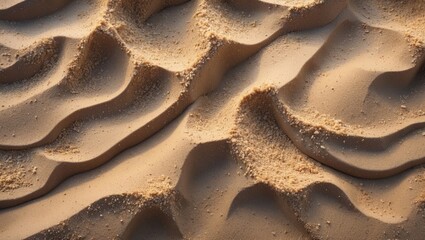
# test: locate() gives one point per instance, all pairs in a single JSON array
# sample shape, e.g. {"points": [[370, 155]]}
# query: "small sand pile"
{"points": [[299, 6], [417, 48], [189, 75], [13, 173], [137, 10], [267, 152], [90, 57], [312, 120], [63, 144], [157, 187], [40, 52]]}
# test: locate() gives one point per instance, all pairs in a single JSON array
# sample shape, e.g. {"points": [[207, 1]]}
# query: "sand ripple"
{"points": [[196, 119]]}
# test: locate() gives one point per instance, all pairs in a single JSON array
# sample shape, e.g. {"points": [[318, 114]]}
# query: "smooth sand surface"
{"points": [[212, 119]]}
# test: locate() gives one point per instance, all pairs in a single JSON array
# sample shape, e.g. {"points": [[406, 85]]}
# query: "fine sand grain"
{"points": [[212, 119]]}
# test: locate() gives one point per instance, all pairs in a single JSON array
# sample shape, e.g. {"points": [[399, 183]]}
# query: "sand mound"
{"points": [[212, 119]]}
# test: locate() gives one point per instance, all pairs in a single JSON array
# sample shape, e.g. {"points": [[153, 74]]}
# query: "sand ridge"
{"points": [[193, 119]]}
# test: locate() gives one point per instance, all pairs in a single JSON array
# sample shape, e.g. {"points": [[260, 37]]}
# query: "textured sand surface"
{"points": [[212, 119]]}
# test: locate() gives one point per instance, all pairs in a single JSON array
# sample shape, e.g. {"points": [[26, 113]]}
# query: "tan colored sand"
{"points": [[212, 119]]}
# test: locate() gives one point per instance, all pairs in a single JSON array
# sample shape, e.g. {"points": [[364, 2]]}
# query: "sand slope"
{"points": [[212, 119]]}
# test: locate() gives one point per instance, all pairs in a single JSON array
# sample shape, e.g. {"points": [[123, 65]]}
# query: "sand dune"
{"points": [[212, 119]]}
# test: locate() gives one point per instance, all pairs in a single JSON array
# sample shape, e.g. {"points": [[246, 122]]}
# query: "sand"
{"points": [[212, 119]]}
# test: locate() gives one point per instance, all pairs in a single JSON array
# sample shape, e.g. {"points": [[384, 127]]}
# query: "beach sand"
{"points": [[212, 119]]}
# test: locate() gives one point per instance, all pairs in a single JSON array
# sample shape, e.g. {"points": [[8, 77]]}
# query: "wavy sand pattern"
{"points": [[212, 119]]}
